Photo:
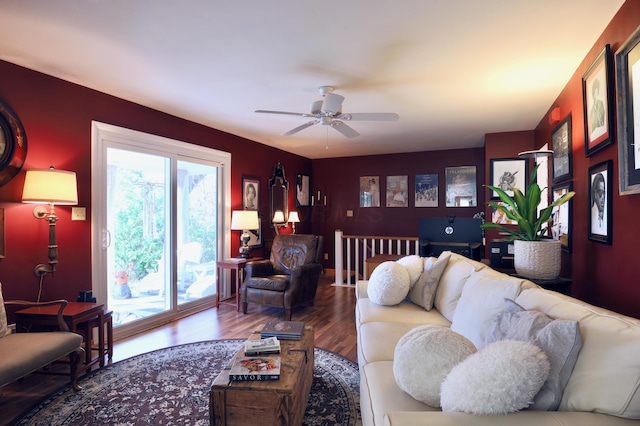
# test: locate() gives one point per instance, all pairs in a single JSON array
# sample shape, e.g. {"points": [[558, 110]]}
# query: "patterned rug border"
{"points": [[325, 361]]}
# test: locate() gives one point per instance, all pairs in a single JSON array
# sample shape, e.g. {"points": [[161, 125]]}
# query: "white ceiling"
{"points": [[452, 69]]}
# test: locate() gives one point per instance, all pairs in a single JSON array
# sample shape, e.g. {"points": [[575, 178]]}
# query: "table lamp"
{"points": [[245, 220]]}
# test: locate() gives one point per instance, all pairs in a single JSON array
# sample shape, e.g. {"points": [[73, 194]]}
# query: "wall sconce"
{"points": [[278, 221], [245, 220], [293, 219], [53, 187]]}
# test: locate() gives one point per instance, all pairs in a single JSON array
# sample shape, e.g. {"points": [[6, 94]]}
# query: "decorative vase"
{"points": [[537, 259]]}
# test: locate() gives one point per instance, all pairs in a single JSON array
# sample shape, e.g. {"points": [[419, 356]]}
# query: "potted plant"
{"points": [[535, 255]]}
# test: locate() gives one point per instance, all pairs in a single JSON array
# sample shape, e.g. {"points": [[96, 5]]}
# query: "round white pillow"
{"points": [[424, 356], [388, 284], [501, 378], [414, 265]]}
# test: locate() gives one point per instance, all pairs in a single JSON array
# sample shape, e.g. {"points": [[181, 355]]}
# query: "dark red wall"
{"points": [[339, 180], [606, 275], [57, 119]]}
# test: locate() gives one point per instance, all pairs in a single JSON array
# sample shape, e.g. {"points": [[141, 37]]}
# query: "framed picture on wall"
{"points": [[426, 194], [561, 146], [255, 236], [508, 173], [303, 197], [369, 191], [250, 193], [461, 188], [397, 191], [598, 101], [561, 215], [600, 202], [628, 71]]}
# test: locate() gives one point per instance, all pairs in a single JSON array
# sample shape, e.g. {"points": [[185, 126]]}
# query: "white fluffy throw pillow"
{"points": [[389, 284], [424, 356], [501, 378], [414, 265]]}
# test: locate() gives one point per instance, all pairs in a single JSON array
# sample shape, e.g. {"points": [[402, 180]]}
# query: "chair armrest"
{"points": [[258, 268], [63, 325]]}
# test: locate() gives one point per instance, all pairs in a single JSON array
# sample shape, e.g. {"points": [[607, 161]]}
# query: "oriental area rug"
{"points": [[171, 387]]}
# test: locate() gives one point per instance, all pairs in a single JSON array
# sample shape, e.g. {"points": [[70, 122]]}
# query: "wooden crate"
{"points": [[278, 402]]}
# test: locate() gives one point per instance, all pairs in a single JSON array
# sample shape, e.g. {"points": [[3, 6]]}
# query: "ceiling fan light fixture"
{"points": [[332, 103]]}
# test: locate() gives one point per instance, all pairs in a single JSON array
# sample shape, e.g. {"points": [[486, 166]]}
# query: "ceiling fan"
{"points": [[328, 112]]}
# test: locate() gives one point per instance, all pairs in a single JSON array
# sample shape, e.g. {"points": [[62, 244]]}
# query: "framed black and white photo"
{"points": [[255, 236], [250, 193], [461, 188], [426, 190], [562, 216], [303, 197], [600, 202], [508, 173], [598, 101], [562, 153], [628, 71]]}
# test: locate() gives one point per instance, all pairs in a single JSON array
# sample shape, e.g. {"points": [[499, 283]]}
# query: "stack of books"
{"points": [[283, 330], [270, 345]]}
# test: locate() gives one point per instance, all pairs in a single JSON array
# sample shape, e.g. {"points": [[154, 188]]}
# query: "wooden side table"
{"points": [[236, 264], [79, 316]]}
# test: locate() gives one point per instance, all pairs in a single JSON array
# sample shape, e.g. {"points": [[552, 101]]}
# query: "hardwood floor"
{"points": [[332, 317]]}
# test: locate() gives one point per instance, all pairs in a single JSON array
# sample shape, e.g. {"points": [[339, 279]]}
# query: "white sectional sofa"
{"points": [[603, 387]]}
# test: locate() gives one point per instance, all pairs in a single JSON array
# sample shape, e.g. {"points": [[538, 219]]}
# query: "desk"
{"points": [[236, 264], [79, 316], [374, 261]]}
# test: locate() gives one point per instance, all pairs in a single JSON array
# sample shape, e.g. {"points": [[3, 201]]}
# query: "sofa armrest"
{"points": [[24, 303]]}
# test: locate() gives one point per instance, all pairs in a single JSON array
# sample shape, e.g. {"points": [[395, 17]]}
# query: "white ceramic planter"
{"points": [[537, 259]]}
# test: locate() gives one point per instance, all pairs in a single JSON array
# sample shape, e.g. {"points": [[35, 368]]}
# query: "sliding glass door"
{"points": [[159, 227]]}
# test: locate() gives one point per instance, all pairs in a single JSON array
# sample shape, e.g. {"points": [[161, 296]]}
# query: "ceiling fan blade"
{"points": [[301, 127], [344, 129], [299, 114], [332, 103], [370, 116]]}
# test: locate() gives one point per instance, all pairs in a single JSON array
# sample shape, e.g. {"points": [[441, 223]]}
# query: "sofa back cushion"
{"points": [[606, 376], [452, 280], [4, 327]]}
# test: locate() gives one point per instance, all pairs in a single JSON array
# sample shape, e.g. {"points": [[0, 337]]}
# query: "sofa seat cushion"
{"points": [[559, 339], [423, 358], [405, 312], [380, 394], [452, 281], [273, 282], [501, 378], [372, 347], [606, 376], [23, 353]]}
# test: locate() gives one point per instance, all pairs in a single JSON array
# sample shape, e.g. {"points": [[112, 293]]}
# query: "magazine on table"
{"points": [[270, 345], [284, 330], [255, 368]]}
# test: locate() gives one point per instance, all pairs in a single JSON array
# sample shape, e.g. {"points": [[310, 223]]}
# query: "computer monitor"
{"points": [[460, 235]]}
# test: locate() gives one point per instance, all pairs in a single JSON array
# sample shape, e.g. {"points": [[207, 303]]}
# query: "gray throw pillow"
{"points": [[559, 339], [424, 291]]}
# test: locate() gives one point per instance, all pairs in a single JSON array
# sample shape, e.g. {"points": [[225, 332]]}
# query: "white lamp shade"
{"points": [[50, 186], [278, 217], [245, 219], [293, 217]]}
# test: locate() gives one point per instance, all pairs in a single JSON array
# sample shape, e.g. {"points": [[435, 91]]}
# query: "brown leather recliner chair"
{"points": [[289, 278]]}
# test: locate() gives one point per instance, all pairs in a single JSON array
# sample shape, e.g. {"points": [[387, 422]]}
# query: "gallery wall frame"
{"points": [[303, 194], [600, 202], [426, 192], [627, 59], [461, 189], [369, 191], [250, 193], [598, 101], [562, 153], [561, 228], [508, 173]]}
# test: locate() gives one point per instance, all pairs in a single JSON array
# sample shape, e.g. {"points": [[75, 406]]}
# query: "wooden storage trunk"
{"points": [[263, 403]]}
